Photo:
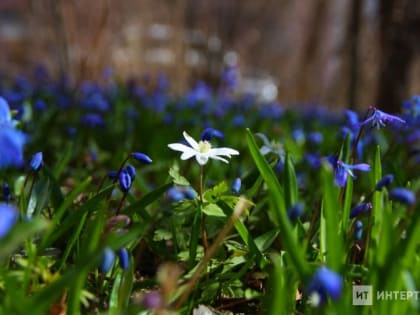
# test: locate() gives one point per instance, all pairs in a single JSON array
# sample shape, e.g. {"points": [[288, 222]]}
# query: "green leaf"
{"points": [[212, 209], [176, 177], [140, 205], [276, 193], [64, 160], [345, 220], [121, 290], [213, 194], [19, 233], [290, 182], [330, 212]]}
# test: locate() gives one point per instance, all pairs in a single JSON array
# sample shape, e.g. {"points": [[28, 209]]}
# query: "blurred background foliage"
{"points": [[347, 53]]}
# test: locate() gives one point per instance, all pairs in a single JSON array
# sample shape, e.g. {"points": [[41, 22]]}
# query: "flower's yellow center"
{"points": [[204, 146]]}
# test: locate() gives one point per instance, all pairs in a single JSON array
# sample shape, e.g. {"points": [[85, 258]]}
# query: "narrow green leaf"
{"points": [[140, 205], [19, 233], [330, 212], [121, 290], [276, 192], [64, 160], [347, 206], [290, 182]]}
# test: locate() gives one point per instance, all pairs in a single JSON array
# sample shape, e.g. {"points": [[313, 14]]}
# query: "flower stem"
{"points": [[203, 217]]}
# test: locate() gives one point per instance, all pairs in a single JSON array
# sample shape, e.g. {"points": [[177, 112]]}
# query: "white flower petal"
{"points": [[202, 159], [190, 141], [188, 154], [180, 147], [223, 151], [265, 150], [216, 157]]}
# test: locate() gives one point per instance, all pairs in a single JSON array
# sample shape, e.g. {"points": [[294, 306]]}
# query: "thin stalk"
{"points": [[203, 218]]}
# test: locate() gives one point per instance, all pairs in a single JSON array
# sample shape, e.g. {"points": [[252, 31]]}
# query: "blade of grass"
{"points": [[277, 194], [330, 212]]}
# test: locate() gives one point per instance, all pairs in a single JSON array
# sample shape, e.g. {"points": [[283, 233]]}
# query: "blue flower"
{"points": [[36, 161], [296, 211], [360, 209], [107, 260], [5, 115], [326, 283], [8, 218], [131, 170], [384, 182], [124, 258], [358, 230], [93, 120], [342, 170], [274, 147], [380, 119], [141, 157], [236, 185], [209, 133], [403, 195], [125, 181], [11, 144]]}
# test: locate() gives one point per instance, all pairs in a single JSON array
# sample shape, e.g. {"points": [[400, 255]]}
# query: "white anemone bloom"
{"points": [[202, 150]]}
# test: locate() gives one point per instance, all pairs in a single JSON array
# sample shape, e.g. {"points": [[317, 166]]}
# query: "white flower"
{"points": [[202, 150]]}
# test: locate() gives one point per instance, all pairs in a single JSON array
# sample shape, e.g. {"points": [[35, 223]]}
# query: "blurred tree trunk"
{"points": [[353, 38], [399, 33]]}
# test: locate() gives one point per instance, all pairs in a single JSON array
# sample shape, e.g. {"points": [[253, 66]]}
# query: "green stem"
{"points": [[203, 217]]}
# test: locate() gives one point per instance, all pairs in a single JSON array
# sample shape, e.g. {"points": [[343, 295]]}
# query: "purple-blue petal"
{"points": [[403, 195]]}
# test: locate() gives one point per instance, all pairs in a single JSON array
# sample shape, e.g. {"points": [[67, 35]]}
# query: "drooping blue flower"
{"points": [[112, 175], [124, 258], [12, 142], [342, 170], [125, 181], [236, 185], [209, 133], [8, 218], [352, 119], [107, 260], [190, 193], [131, 170], [93, 120], [358, 230], [326, 283], [360, 209], [40, 105], [5, 114], [178, 193], [36, 162], [380, 119], [384, 182], [175, 194], [403, 195], [141, 157], [295, 211], [315, 137], [313, 160]]}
